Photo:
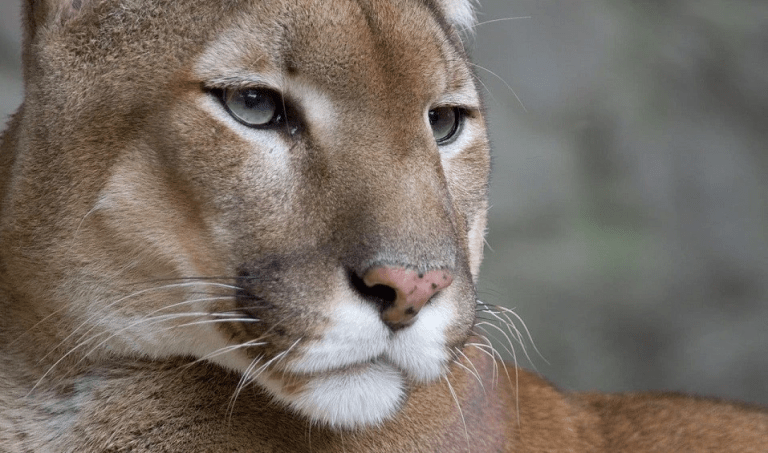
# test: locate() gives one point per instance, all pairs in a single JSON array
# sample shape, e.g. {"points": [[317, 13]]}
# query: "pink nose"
{"points": [[412, 290]]}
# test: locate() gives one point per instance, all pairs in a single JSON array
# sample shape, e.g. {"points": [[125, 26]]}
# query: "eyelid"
{"points": [[459, 100], [243, 81]]}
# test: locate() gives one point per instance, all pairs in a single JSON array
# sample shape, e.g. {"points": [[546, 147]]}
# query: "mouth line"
{"points": [[351, 368]]}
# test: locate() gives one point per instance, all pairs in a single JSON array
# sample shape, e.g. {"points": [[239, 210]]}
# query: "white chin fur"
{"points": [[352, 399], [357, 335], [357, 372], [420, 349]]}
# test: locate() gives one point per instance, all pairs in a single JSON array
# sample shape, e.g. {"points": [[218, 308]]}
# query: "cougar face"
{"points": [[306, 208]]}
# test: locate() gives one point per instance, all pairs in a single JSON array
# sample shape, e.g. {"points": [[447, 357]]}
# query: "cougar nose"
{"points": [[409, 291]]}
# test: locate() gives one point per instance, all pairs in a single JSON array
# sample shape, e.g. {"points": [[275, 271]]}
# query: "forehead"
{"points": [[366, 47]]}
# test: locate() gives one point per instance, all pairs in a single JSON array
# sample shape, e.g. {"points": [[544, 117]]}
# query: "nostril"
{"points": [[382, 295], [400, 293]]}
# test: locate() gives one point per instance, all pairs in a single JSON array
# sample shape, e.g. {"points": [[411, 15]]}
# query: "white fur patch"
{"points": [[420, 349], [353, 399], [319, 109], [476, 242], [461, 13], [61, 412], [357, 335], [357, 371]]}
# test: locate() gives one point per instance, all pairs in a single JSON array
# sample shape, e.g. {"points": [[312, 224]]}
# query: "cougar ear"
{"points": [[39, 13], [460, 13]]}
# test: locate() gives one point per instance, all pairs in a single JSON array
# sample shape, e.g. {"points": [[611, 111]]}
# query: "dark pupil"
{"points": [[434, 117], [255, 99], [443, 122], [263, 104]]}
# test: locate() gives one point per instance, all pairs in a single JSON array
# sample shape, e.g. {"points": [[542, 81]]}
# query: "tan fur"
{"points": [[138, 218]]}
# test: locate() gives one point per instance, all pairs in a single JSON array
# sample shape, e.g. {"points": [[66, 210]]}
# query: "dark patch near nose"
{"points": [[382, 295], [254, 281]]}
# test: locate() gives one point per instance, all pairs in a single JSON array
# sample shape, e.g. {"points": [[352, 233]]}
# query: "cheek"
{"points": [[148, 222], [200, 144], [467, 176], [242, 179]]}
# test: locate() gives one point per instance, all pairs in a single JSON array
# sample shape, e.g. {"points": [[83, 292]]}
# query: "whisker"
{"points": [[150, 320], [146, 320], [249, 375], [139, 322], [240, 385], [204, 280], [509, 312], [46, 318], [481, 347], [83, 343], [279, 357], [493, 98], [502, 81], [458, 406], [513, 330], [475, 373], [106, 309], [496, 353], [511, 348], [503, 19], [204, 321], [178, 304], [506, 371], [227, 349]]}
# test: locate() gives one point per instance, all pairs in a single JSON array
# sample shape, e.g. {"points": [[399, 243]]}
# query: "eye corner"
{"points": [[216, 92]]}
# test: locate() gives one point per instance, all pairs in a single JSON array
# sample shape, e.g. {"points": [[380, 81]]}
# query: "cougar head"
{"points": [[295, 190]]}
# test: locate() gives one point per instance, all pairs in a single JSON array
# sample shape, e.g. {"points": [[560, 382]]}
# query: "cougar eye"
{"points": [[444, 122], [254, 107]]}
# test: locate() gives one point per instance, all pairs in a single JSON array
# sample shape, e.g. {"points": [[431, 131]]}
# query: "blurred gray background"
{"points": [[629, 220]]}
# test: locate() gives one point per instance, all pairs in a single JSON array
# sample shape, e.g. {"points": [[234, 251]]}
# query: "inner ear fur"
{"points": [[460, 13]]}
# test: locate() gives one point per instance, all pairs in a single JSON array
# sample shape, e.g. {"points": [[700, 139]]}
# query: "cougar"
{"points": [[256, 225]]}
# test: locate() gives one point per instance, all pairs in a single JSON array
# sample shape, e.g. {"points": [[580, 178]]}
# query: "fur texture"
{"points": [[192, 194]]}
